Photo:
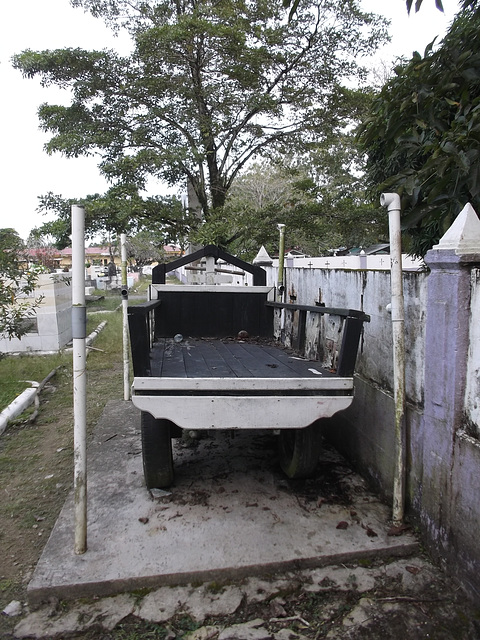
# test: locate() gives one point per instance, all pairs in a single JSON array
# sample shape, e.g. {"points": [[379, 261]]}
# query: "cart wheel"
{"points": [[299, 450], [156, 452]]}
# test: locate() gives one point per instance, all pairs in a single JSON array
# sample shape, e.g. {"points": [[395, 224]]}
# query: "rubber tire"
{"points": [[299, 450], [156, 452]]}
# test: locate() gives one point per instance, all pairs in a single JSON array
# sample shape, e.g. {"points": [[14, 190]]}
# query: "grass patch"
{"points": [[141, 286], [10, 390], [36, 458], [15, 371], [109, 301], [6, 585]]}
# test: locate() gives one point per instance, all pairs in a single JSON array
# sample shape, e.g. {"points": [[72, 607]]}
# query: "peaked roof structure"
{"points": [[159, 272]]}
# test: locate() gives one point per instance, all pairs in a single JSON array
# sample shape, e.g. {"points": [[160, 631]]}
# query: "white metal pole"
{"points": [[126, 380], [392, 201], [79, 333]]}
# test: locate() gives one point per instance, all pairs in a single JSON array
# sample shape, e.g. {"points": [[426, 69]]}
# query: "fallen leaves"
{"points": [[398, 530]]}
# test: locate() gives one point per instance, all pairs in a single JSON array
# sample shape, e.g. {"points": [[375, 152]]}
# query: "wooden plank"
{"points": [[216, 358], [214, 314], [173, 362], [335, 311], [246, 385], [300, 366], [262, 363], [156, 358], [247, 360], [237, 367], [274, 355], [216, 364], [140, 343], [195, 365], [185, 288]]}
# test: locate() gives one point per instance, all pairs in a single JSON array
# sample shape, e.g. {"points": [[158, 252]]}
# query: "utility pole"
{"points": [[79, 334]]}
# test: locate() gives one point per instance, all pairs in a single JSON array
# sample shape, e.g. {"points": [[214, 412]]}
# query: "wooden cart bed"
{"points": [[210, 358]]}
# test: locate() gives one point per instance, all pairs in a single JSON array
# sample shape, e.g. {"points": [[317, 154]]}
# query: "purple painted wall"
{"points": [[446, 463], [442, 382]]}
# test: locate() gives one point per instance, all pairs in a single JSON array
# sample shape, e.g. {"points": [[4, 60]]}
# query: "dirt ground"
{"points": [[378, 599]]}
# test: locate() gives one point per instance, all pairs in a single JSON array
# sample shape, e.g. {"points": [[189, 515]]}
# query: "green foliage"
{"points": [[423, 135], [118, 211], [146, 247], [258, 201], [17, 285], [320, 197], [208, 87]]}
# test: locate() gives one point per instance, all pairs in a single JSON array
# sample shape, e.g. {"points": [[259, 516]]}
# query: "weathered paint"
{"points": [[79, 382], [442, 348], [243, 412], [370, 292], [472, 392]]}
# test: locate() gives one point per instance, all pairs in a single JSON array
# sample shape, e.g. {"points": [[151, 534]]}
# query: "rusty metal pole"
{"points": [[392, 202]]}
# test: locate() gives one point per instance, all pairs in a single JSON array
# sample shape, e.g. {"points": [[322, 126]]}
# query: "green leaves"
{"points": [[423, 135], [120, 210], [209, 87], [63, 67], [319, 196], [17, 283]]}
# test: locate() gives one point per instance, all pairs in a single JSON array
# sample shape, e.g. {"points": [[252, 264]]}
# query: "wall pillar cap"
{"points": [[463, 237], [262, 258]]}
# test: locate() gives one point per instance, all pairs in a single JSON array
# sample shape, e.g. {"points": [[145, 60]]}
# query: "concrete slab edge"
{"points": [[38, 595]]}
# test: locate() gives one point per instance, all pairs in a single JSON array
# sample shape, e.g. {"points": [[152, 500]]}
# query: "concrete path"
{"points": [[231, 514]]}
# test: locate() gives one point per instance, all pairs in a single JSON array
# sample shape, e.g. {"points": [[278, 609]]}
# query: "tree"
{"points": [[262, 197], [423, 135], [146, 247], [320, 197], [208, 87], [17, 284], [117, 211], [41, 250]]}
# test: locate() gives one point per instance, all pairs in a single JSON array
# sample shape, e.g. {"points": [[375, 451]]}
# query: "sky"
{"points": [[27, 172]]}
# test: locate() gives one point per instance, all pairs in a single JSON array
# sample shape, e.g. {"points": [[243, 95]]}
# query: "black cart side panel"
{"points": [[212, 314]]}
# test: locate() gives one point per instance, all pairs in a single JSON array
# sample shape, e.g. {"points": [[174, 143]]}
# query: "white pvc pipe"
{"points": [[392, 202], [126, 381], [79, 331], [18, 406]]}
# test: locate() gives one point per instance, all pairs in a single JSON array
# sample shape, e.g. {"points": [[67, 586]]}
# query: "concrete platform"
{"points": [[231, 514]]}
